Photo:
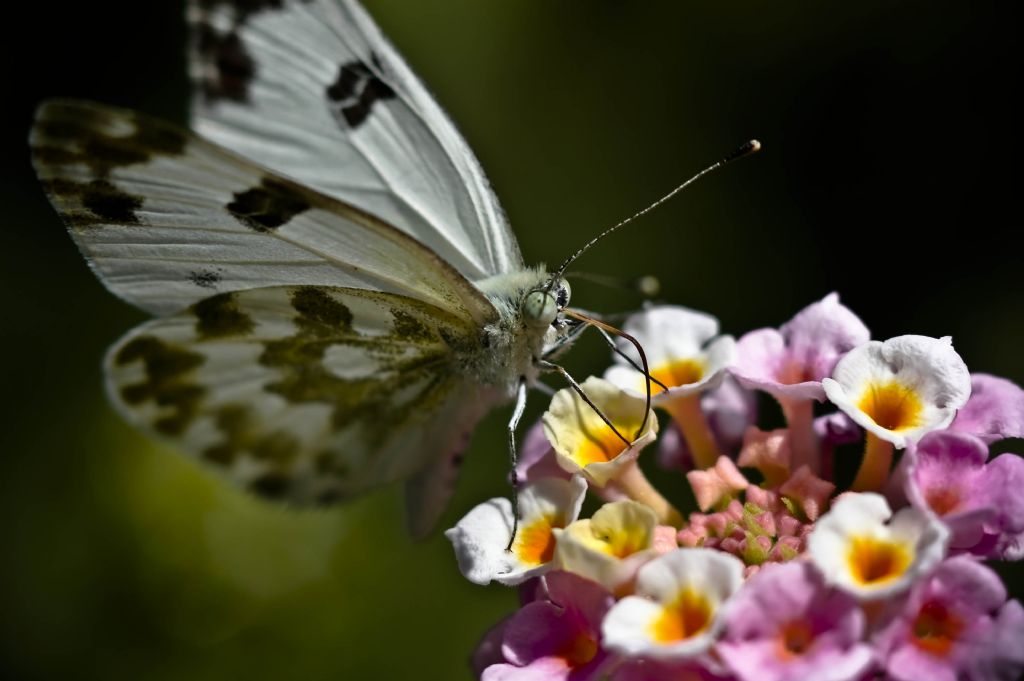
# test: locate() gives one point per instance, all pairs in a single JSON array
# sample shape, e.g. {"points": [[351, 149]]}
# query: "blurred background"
{"points": [[886, 175]]}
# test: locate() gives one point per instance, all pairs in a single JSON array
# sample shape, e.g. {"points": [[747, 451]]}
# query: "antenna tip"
{"points": [[648, 286], [751, 147]]}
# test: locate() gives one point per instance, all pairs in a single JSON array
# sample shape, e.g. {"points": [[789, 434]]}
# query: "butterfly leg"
{"points": [[513, 426]]}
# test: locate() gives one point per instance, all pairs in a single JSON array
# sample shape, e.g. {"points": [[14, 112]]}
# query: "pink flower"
{"points": [[729, 409], [555, 637], [786, 625], [994, 411], [956, 625], [980, 502], [789, 363]]}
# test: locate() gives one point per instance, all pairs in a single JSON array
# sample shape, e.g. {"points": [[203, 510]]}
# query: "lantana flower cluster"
{"points": [[781, 572]]}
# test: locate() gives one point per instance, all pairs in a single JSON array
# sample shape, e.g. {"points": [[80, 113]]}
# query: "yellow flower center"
{"points": [[600, 444], [676, 373], [936, 629], [892, 405], [875, 561], [535, 543], [685, 617]]}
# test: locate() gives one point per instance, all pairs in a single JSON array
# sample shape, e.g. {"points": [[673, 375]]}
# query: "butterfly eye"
{"points": [[562, 298], [539, 308]]}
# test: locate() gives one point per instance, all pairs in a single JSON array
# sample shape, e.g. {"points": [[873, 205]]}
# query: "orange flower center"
{"points": [[892, 405], [874, 561], [936, 629], [579, 650], [684, 618], [535, 543], [942, 500], [795, 638]]}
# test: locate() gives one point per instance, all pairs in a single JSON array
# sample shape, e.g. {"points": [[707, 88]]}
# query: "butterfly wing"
{"points": [[306, 394], [312, 89], [179, 226], [167, 219]]}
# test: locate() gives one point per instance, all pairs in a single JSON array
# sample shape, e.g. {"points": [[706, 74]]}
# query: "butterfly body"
{"points": [[338, 296]]}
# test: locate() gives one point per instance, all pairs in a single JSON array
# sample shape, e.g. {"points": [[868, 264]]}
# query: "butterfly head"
{"points": [[540, 307]]}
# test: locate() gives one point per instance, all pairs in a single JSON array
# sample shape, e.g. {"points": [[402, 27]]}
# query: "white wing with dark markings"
{"points": [[305, 394], [167, 219], [313, 90]]}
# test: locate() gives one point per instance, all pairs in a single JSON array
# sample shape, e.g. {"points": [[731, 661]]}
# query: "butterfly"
{"points": [[338, 296]]}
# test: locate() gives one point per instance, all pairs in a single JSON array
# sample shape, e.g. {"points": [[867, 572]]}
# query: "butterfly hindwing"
{"points": [[305, 394], [168, 219], [312, 89]]}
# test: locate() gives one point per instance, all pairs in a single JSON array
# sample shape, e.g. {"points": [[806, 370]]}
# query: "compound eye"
{"points": [[562, 297], [539, 308]]}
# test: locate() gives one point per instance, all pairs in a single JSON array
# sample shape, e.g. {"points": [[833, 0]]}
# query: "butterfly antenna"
{"points": [[645, 369], [747, 149]]}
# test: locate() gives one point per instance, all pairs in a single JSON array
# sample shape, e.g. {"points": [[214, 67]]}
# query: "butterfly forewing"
{"points": [[168, 219], [313, 90], [306, 394]]}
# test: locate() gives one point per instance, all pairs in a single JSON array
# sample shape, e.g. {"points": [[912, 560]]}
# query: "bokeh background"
{"points": [[889, 136]]}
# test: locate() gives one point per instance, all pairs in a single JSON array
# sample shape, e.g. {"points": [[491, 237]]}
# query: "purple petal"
{"points": [[537, 457], [823, 332], [994, 411], [488, 650], [572, 612], [1005, 474]]}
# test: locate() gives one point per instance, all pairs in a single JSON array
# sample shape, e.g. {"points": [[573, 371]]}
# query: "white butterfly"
{"points": [[339, 297]]}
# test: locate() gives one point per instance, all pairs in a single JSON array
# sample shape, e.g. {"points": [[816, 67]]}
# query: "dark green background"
{"points": [[889, 137]]}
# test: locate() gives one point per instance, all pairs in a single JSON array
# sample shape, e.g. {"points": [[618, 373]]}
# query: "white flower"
{"points": [[683, 349], [677, 611], [584, 443], [854, 548], [481, 537], [901, 388], [609, 547]]}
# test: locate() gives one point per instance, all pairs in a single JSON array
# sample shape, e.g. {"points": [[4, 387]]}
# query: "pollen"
{"points": [[685, 617], [535, 543], [892, 405], [936, 629], [677, 373], [875, 561]]}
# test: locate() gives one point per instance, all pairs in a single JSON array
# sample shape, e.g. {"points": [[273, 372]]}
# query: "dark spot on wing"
{"points": [[219, 316], [168, 370], [204, 278], [102, 201], [269, 205], [230, 68], [409, 328], [242, 432], [69, 134], [355, 90], [110, 203], [320, 314]]}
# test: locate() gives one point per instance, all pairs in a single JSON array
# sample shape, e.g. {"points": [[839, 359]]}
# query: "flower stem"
{"points": [[633, 482], [688, 415], [803, 442], [874, 468]]}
